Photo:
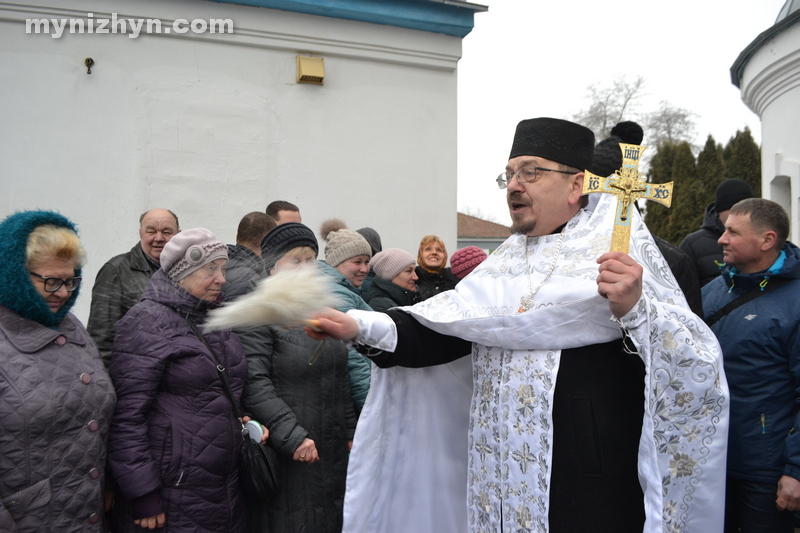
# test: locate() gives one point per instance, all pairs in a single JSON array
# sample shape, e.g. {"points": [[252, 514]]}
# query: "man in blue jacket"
{"points": [[754, 309]]}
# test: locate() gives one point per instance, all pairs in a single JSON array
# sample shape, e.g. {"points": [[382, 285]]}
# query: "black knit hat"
{"points": [[607, 153], [284, 238], [731, 191], [554, 139]]}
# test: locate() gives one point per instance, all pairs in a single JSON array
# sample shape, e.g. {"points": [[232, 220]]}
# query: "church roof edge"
{"points": [[737, 69], [450, 17]]}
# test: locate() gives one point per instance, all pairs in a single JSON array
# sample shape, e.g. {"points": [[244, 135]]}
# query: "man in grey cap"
{"points": [[599, 400], [701, 246]]}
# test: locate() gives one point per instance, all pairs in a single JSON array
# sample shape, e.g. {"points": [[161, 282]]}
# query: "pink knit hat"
{"points": [[390, 262], [465, 260], [190, 250]]}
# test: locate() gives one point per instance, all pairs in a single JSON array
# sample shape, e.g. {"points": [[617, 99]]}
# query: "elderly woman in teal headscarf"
{"points": [[56, 398]]}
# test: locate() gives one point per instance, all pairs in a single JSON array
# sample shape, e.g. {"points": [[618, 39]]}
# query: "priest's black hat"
{"points": [[554, 139]]}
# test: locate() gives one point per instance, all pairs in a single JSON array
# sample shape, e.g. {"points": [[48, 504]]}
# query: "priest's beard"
{"points": [[521, 226]]}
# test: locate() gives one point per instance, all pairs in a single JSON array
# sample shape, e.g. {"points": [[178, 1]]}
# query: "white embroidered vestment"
{"points": [[682, 450]]}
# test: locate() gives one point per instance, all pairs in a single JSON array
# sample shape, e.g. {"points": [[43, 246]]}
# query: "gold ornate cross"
{"points": [[628, 187]]}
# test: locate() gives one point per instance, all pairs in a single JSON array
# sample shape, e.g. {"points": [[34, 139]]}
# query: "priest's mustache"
{"points": [[516, 197]]}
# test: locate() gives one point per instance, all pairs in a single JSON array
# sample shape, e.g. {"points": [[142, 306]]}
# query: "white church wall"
{"points": [[770, 86], [215, 126]]}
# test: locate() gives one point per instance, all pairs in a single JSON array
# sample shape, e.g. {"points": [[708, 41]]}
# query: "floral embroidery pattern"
{"points": [[510, 434]]}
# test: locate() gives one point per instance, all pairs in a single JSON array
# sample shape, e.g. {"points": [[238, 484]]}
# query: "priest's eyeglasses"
{"points": [[53, 284], [525, 175]]}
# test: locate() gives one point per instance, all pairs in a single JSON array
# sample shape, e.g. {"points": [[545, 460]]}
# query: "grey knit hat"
{"points": [[190, 250], [344, 244], [390, 262]]}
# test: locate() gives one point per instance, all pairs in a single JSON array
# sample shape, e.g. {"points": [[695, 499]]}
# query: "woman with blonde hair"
{"points": [[433, 275], [56, 398]]}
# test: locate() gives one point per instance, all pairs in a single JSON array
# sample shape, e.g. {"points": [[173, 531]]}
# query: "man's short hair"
{"points": [[177, 224], [584, 200], [280, 205], [765, 215], [253, 227]]}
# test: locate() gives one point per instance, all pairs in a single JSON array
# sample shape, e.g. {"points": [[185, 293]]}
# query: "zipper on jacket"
{"points": [[763, 424], [180, 477]]}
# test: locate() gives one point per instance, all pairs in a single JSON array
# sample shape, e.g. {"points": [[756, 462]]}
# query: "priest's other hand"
{"points": [[788, 494], [332, 323], [619, 281]]}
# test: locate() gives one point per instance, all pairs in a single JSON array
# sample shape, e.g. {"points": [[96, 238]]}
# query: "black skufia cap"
{"points": [[554, 139]]}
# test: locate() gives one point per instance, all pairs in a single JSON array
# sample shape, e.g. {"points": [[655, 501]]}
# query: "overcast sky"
{"points": [[527, 58]]}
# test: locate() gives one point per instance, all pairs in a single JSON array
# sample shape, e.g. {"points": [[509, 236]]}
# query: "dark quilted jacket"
{"points": [[56, 402], [298, 400], [175, 441]]}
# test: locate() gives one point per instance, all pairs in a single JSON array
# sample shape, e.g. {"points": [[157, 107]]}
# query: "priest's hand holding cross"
{"points": [[620, 277], [619, 281]]}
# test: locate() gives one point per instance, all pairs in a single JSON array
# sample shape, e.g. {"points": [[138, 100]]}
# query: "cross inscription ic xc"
{"points": [[628, 187]]}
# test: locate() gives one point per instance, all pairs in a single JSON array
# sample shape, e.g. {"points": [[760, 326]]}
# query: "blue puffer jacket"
{"points": [[761, 354], [358, 366], [175, 441]]}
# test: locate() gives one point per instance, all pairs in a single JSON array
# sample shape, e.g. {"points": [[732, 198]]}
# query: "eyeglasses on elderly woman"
{"points": [[53, 284]]}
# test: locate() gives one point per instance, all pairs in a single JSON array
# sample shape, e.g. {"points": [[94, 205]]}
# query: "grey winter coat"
{"points": [[175, 440], [118, 287], [56, 402], [297, 398]]}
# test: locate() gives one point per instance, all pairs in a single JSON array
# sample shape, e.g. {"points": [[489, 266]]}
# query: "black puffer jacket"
{"points": [[297, 398], [430, 284], [702, 248], [383, 295], [684, 272]]}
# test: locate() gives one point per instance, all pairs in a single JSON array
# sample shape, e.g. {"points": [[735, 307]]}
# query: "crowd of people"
{"points": [[549, 386]]}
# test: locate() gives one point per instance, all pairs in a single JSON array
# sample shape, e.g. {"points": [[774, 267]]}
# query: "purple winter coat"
{"points": [[174, 443]]}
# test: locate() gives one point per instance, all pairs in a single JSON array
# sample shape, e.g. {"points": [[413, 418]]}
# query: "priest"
{"points": [[599, 401]]}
